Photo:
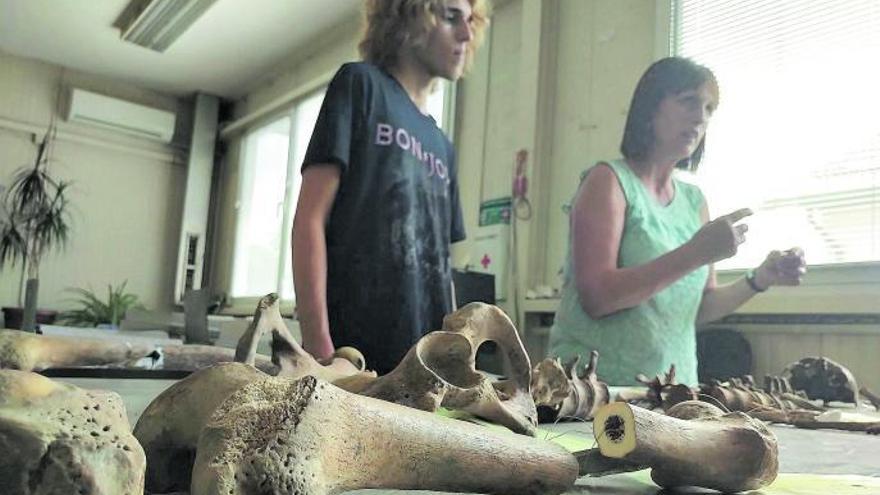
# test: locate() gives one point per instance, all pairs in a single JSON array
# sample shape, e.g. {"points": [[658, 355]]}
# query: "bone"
{"points": [[30, 352], [588, 393], [58, 438], [696, 445], [550, 386], [169, 427], [440, 370], [823, 379], [290, 358], [507, 401], [308, 436]]}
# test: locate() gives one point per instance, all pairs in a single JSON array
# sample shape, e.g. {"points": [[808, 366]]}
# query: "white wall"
{"points": [[606, 47], [126, 195]]}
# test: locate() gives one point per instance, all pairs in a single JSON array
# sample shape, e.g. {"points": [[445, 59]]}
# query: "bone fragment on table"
{"points": [[696, 444]]}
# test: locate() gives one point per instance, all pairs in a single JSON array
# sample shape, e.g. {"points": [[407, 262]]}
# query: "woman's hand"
{"points": [[720, 238], [781, 268]]}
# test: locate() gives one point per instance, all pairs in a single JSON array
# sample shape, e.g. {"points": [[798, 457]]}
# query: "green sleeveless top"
{"points": [[660, 331]]}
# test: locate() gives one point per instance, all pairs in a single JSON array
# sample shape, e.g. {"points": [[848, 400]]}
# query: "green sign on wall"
{"points": [[495, 211]]}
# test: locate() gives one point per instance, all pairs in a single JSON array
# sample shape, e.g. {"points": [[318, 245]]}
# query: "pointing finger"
{"points": [[738, 215]]}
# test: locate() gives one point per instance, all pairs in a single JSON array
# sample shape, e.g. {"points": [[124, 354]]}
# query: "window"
{"points": [[268, 190], [796, 135], [269, 186]]}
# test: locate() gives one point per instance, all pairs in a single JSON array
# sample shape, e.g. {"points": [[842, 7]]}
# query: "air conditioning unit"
{"points": [[120, 115]]}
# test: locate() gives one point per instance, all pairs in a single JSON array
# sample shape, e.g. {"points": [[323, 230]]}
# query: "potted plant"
{"points": [[93, 312], [35, 221]]}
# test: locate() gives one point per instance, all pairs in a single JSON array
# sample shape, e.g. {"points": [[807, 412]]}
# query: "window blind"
{"points": [[796, 136]]}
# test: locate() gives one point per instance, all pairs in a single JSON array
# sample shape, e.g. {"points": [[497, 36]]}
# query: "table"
{"points": [[812, 462]]}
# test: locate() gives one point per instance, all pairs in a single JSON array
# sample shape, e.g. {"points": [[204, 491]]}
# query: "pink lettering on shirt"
{"points": [[388, 135]]}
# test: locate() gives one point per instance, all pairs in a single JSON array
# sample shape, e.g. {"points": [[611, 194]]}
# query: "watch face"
{"points": [[750, 279]]}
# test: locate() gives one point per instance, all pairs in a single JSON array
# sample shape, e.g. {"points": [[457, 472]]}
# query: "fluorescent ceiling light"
{"points": [[156, 24]]}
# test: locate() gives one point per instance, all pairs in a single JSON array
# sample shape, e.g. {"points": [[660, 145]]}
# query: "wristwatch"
{"points": [[750, 279]]}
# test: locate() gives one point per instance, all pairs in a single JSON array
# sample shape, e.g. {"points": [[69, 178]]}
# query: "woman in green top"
{"points": [[639, 272]]}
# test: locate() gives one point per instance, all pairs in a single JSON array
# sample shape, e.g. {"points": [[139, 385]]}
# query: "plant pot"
{"points": [[12, 317]]}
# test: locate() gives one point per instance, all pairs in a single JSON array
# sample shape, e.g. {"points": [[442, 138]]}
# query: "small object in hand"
{"points": [[792, 262]]}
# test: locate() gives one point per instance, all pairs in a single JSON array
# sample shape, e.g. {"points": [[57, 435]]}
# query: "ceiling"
{"points": [[233, 45]]}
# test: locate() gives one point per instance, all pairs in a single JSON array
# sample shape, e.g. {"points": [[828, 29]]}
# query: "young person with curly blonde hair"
{"points": [[379, 204]]}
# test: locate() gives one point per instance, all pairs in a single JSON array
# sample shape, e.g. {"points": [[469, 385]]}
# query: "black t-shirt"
{"points": [[394, 216]]}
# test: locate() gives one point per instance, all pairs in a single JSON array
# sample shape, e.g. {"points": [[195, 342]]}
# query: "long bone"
{"points": [[695, 444], [29, 352], [307, 436]]}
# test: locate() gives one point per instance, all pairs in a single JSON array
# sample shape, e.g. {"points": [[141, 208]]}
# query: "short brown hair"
{"points": [[665, 77], [391, 24]]}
